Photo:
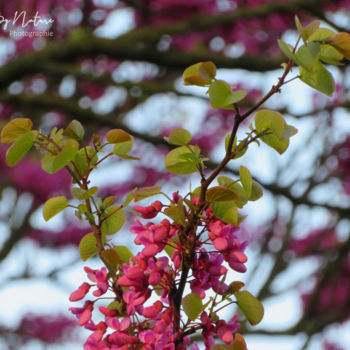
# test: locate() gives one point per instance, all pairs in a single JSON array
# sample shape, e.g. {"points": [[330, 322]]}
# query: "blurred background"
{"points": [[118, 64]]}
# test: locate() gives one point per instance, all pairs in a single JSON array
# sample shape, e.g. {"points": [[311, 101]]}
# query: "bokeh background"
{"points": [[118, 64]]}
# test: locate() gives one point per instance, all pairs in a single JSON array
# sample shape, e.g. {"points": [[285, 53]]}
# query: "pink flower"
{"points": [[83, 313], [80, 292], [225, 330], [100, 277], [151, 211]]}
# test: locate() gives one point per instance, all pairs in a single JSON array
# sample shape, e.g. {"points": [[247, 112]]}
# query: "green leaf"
{"points": [[111, 257], [51, 163], [177, 163], [129, 197], [169, 248], [289, 131], [199, 74], [328, 53], [251, 307], [87, 246], [121, 150], [300, 28], [74, 130], [311, 28], [221, 194], [220, 347], [108, 201], [257, 191], [19, 149], [180, 137], [286, 49], [81, 194], [175, 213], [114, 222], [207, 70], [15, 129], [118, 136], [192, 305], [53, 206], [115, 305], [85, 159], [246, 179], [235, 187], [145, 192], [122, 140], [341, 42], [233, 288], [308, 55], [124, 253], [320, 79], [225, 211], [222, 96], [274, 123], [237, 345]]}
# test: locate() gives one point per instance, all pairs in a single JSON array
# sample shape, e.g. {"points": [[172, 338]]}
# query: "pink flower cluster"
{"points": [[143, 322]]}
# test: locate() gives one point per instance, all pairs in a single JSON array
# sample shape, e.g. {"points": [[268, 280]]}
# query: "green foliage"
{"points": [[51, 163], [225, 211], [111, 257], [145, 192], [274, 124], [200, 74], [87, 246], [250, 306], [307, 55], [183, 160], [179, 137], [84, 160], [320, 79], [15, 129], [308, 30], [246, 179], [113, 220], [20, 148], [122, 141], [124, 253], [221, 194], [193, 305], [328, 53], [53, 206], [222, 96], [74, 130], [257, 191], [176, 213], [82, 194]]}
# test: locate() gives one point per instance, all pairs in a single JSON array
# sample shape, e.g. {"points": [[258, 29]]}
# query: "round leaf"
{"points": [[14, 130], [124, 253], [192, 305], [319, 79], [118, 136], [145, 192], [114, 222], [19, 149], [222, 96], [246, 179], [221, 194], [87, 246], [183, 160], [273, 123], [53, 206], [74, 130], [251, 307], [180, 137], [257, 191]]}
